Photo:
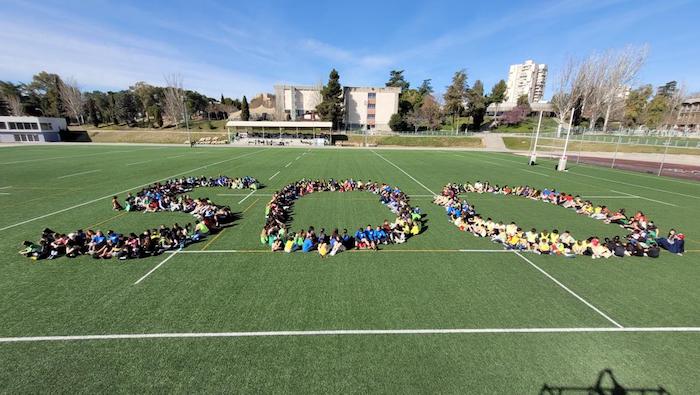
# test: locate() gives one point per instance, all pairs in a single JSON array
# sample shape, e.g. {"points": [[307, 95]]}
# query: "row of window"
{"points": [[26, 137], [25, 126]]}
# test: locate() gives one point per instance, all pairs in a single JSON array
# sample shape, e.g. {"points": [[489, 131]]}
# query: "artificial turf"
{"points": [[425, 283]]}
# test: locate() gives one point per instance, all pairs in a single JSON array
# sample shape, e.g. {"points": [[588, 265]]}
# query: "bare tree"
{"points": [[674, 105], [624, 65], [174, 99], [72, 98], [571, 87]]}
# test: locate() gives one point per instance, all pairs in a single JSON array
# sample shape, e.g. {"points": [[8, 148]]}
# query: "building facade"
{"points": [[370, 108], [366, 108], [30, 129], [689, 115], [528, 79], [297, 102]]}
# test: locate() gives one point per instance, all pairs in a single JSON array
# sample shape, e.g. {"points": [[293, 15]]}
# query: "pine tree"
{"points": [[331, 106], [245, 110], [455, 94]]}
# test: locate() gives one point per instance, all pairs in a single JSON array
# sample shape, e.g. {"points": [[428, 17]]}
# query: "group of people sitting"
{"points": [[171, 195], [642, 240], [99, 245], [274, 234]]}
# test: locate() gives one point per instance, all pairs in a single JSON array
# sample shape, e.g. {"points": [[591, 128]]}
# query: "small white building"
{"points": [[30, 129], [297, 102], [370, 108]]}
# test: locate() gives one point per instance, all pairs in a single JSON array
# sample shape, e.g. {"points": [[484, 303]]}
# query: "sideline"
{"points": [[347, 332], [156, 268], [574, 294], [127, 190], [404, 172]]}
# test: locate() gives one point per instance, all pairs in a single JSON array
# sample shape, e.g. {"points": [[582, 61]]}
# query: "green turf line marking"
{"points": [[156, 268], [645, 198], [348, 332], [129, 189], [78, 174], [107, 220], [247, 196], [536, 172], [404, 172], [574, 294]]}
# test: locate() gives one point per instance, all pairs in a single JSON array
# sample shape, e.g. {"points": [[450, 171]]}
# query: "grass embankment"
{"points": [[194, 125], [523, 144], [141, 136], [432, 141], [528, 126]]}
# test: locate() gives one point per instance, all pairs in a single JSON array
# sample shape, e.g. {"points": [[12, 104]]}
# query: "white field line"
{"points": [[614, 181], [611, 197], [9, 186], [76, 156], [574, 294], [261, 251], [4, 193], [156, 268], [477, 159], [247, 196], [127, 190], [81, 173], [645, 198], [176, 156], [636, 185], [242, 194], [348, 332], [402, 170], [274, 175], [298, 157], [288, 164], [138, 163], [536, 172]]}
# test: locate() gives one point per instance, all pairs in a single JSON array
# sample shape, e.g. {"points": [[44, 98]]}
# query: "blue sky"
{"points": [[238, 48]]}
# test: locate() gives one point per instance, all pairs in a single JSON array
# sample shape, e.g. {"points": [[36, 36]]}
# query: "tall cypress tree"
{"points": [[331, 106], [245, 110]]}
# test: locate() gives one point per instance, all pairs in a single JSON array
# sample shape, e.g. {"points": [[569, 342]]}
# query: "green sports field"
{"points": [[445, 312]]}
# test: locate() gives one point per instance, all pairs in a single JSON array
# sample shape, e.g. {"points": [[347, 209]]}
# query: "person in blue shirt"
{"points": [[369, 236], [380, 235], [345, 238], [360, 239], [308, 245]]}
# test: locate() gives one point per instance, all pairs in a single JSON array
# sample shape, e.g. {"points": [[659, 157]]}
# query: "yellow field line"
{"points": [[213, 239], [107, 220]]}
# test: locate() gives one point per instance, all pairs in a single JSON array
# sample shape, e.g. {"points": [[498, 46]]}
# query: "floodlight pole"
{"points": [[562, 160], [533, 155]]}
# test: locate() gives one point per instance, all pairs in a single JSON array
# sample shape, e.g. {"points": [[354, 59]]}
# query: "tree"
{"points": [[157, 114], [624, 67], [245, 109], [331, 106], [656, 110], [455, 94], [147, 95], [636, 105], [570, 87], [174, 99], [126, 107], [498, 92], [516, 115], [92, 111], [397, 123], [10, 99], [426, 88], [45, 89], [476, 104], [73, 100], [396, 79]]}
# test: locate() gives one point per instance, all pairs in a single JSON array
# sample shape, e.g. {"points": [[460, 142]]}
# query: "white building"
{"points": [[370, 108], [297, 102], [528, 79], [30, 129], [365, 107]]}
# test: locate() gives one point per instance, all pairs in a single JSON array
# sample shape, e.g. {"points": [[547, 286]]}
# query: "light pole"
{"points": [[663, 158]]}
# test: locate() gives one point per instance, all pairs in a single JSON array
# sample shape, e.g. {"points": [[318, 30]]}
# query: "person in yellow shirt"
{"points": [[543, 247], [289, 245], [554, 236]]}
